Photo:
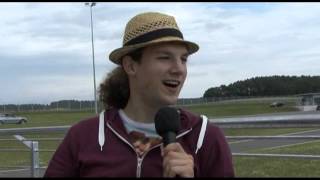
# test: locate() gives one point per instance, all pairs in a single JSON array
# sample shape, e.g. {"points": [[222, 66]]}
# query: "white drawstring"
{"points": [[202, 132], [101, 130]]}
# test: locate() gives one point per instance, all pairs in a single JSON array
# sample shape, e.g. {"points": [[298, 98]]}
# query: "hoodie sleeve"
{"points": [[63, 162], [216, 157]]}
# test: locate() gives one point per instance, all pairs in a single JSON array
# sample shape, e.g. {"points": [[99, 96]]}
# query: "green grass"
{"points": [[23, 158], [221, 109], [312, 147], [239, 108], [16, 158], [244, 166], [218, 109], [47, 145], [275, 167], [37, 119], [46, 156], [280, 167], [263, 131]]}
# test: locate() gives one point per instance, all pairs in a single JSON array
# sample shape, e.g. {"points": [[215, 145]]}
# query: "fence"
{"points": [[34, 150], [194, 101], [70, 105], [34, 155]]}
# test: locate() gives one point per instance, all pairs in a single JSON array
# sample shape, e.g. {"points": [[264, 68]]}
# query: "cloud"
{"points": [[46, 47]]}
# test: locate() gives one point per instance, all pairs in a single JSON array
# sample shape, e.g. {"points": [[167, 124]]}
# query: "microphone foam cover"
{"points": [[167, 119]]}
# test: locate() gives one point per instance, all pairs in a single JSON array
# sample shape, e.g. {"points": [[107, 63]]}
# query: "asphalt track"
{"points": [[244, 146]]}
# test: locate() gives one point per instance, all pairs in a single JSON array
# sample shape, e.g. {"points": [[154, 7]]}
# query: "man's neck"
{"points": [[140, 112]]}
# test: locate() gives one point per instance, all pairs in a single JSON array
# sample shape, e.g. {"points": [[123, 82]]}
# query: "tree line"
{"points": [[267, 86], [257, 86], [56, 105]]}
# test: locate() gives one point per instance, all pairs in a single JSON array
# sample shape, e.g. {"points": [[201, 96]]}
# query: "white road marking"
{"points": [[13, 170], [301, 132], [288, 145], [234, 142]]}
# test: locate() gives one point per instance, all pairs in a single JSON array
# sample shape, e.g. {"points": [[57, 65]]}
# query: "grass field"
{"points": [[280, 167], [228, 109], [244, 166], [51, 118], [223, 109]]}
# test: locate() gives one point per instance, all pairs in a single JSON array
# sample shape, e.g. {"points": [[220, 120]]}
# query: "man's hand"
{"points": [[176, 161]]}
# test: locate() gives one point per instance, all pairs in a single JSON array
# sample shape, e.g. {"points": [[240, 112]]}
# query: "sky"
{"points": [[46, 55]]}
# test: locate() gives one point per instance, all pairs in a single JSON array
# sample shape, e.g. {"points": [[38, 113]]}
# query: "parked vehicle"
{"points": [[276, 104], [12, 119]]}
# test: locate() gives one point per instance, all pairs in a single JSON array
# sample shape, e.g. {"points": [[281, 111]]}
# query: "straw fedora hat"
{"points": [[150, 28]]}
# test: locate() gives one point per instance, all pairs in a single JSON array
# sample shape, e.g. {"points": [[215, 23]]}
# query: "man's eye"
{"points": [[184, 59], [163, 57]]}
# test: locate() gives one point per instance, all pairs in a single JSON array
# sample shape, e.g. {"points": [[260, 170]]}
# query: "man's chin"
{"points": [[171, 100]]}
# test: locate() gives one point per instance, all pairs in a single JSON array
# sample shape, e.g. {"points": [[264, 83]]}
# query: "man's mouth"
{"points": [[171, 83]]}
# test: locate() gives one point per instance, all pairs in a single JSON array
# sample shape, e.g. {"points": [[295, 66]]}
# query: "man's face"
{"points": [[161, 73]]}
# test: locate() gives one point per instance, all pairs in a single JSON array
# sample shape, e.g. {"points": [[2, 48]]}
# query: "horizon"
{"points": [[252, 96]]}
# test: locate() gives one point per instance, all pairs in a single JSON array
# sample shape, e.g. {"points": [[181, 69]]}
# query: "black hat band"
{"points": [[155, 35]]}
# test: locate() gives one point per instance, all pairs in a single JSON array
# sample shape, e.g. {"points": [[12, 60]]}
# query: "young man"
{"points": [[123, 141]]}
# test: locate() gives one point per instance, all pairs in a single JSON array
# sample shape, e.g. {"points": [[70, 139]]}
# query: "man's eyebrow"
{"points": [[169, 53], [162, 52]]}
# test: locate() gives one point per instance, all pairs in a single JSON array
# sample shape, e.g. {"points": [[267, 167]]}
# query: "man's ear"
{"points": [[129, 65]]}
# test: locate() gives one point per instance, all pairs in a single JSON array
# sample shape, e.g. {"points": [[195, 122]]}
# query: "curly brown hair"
{"points": [[114, 91]]}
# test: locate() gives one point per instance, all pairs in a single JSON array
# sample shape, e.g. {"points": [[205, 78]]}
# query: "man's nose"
{"points": [[178, 66]]}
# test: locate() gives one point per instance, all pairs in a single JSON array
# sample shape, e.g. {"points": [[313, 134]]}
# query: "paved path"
{"points": [[243, 146]]}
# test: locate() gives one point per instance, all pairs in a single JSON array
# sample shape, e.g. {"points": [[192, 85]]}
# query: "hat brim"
{"points": [[116, 55]]}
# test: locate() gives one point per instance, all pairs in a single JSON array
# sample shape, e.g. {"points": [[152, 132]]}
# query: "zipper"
{"points": [[123, 139], [138, 173], [140, 159]]}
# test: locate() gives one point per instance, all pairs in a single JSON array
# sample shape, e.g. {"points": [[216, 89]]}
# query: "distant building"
{"points": [[309, 102]]}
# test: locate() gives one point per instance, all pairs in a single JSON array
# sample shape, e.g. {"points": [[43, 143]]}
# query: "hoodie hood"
{"points": [[187, 119]]}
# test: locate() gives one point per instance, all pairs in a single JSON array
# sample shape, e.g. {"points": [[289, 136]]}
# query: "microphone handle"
{"points": [[168, 137]]}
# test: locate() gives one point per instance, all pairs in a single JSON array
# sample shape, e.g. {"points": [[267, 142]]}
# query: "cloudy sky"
{"points": [[45, 48]]}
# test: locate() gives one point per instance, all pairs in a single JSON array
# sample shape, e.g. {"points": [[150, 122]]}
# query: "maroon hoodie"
{"points": [[80, 155]]}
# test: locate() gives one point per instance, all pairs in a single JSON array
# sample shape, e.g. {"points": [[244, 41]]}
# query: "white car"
{"points": [[12, 119]]}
